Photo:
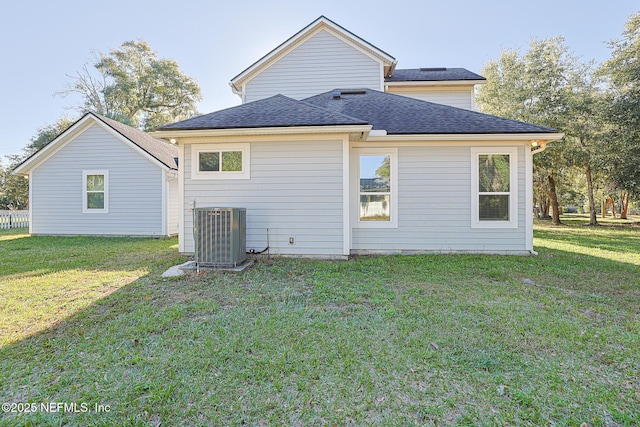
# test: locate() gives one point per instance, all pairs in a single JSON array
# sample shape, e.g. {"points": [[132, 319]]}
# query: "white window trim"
{"points": [[513, 187], [196, 149], [85, 173], [393, 213]]}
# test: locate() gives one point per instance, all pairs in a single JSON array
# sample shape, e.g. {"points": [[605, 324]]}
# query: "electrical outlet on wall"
{"points": [[292, 240]]}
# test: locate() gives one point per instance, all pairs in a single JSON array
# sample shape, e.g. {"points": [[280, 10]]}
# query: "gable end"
{"points": [[388, 62]]}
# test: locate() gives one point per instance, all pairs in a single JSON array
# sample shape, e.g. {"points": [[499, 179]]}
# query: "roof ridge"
{"points": [[346, 116]]}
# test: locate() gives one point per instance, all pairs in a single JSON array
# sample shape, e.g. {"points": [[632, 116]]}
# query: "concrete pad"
{"points": [[177, 270], [192, 267]]}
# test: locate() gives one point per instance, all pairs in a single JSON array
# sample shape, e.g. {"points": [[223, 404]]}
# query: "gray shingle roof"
{"points": [[402, 115], [396, 114], [276, 111], [160, 150], [432, 75]]}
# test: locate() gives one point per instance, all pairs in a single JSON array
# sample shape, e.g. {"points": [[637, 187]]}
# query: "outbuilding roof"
{"points": [[163, 152], [160, 150]]}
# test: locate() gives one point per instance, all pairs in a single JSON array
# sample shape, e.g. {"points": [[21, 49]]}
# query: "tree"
{"points": [[132, 85], [622, 74], [14, 190], [551, 87], [46, 134]]}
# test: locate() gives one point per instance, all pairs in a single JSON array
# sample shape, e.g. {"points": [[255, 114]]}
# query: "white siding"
{"points": [[321, 63], [173, 205], [454, 96], [434, 198], [295, 190], [135, 189]]}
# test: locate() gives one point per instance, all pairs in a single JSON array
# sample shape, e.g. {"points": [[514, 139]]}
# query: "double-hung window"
{"points": [[494, 187], [214, 161], [377, 188], [95, 191]]}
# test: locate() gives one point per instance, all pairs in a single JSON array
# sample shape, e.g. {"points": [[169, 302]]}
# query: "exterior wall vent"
{"points": [[220, 236]]}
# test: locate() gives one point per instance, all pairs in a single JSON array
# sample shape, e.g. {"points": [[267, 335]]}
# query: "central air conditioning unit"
{"points": [[220, 236]]}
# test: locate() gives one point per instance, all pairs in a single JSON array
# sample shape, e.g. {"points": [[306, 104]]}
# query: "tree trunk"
{"points": [[544, 206], [611, 205], [543, 203], [593, 220], [554, 199], [625, 206]]}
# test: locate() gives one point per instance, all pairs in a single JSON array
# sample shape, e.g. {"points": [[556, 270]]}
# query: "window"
{"points": [[494, 183], [95, 191], [377, 188], [214, 161]]}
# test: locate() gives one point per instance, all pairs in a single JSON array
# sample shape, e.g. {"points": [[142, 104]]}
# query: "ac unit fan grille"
{"points": [[220, 236]]}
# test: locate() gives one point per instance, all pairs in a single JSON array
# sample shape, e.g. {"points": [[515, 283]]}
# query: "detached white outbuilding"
{"points": [[101, 177]]}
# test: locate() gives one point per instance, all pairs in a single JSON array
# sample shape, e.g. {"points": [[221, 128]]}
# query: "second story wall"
{"points": [[454, 96], [320, 63]]}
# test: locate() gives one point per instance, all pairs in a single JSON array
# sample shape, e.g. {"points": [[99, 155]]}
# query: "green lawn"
{"points": [[401, 340]]}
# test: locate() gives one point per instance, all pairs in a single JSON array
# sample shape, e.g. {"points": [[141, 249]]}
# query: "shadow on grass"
{"points": [[21, 253]]}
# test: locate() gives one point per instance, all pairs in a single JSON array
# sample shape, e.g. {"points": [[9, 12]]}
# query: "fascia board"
{"points": [[175, 134], [541, 137], [435, 83]]}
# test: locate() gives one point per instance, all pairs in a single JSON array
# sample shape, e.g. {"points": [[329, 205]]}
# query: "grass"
{"points": [[413, 340]]}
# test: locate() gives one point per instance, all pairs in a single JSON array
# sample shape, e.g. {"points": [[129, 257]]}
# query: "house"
{"points": [[335, 152], [101, 177]]}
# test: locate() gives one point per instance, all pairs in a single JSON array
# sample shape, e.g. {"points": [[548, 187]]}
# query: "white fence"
{"points": [[14, 219]]}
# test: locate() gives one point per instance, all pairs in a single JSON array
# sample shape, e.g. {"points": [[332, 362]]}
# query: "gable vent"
{"points": [[434, 69]]}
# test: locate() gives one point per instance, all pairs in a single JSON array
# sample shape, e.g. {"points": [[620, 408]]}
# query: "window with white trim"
{"points": [[377, 188], [494, 187], [95, 191], [216, 161]]}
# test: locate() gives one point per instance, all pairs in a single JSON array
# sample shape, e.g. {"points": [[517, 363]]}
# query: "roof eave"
{"points": [[539, 137], [279, 130], [435, 82]]}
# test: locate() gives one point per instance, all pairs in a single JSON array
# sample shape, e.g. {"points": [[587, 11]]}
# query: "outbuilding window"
{"points": [[95, 191]]}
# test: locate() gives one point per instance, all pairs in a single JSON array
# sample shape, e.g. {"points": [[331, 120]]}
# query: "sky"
{"points": [[43, 42]]}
